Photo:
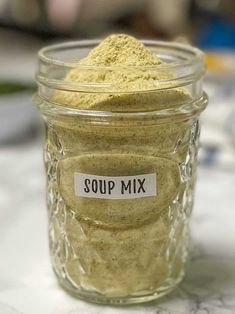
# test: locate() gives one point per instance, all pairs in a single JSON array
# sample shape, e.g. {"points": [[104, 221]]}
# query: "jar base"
{"points": [[97, 298]]}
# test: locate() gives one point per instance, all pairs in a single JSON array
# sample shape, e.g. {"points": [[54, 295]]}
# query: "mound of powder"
{"points": [[121, 64]]}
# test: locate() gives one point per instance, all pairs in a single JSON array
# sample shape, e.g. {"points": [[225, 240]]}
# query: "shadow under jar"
{"points": [[120, 176]]}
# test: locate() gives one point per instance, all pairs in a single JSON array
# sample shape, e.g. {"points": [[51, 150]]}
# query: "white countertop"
{"points": [[28, 285]]}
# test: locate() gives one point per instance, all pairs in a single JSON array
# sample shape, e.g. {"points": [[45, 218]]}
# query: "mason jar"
{"points": [[120, 174]]}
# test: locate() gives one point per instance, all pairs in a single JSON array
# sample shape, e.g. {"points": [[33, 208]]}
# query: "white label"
{"points": [[123, 187]]}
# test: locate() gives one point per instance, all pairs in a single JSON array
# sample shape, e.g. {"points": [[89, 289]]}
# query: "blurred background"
{"points": [[27, 25]]}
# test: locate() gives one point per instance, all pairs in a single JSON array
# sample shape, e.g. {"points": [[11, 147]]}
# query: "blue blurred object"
{"points": [[218, 33]]}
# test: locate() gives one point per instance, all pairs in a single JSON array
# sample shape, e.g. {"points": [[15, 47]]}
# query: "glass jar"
{"points": [[120, 175]]}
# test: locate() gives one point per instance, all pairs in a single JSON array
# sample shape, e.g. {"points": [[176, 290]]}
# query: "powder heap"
{"points": [[121, 50], [121, 64]]}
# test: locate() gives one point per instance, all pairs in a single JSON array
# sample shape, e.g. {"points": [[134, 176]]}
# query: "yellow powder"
{"points": [[120, 50], [120, 247], [140, 74]]}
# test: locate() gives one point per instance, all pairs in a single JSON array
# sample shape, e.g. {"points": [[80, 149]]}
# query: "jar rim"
{"points": [[188, 67], [195, 55]]}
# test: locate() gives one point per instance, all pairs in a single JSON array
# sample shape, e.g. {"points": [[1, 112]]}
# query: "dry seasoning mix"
{"points": [[119, 247]]}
